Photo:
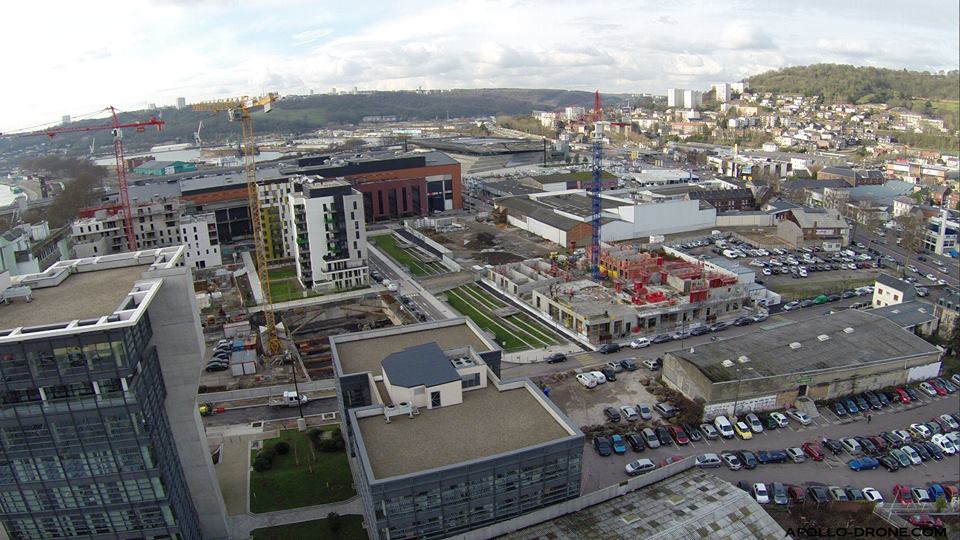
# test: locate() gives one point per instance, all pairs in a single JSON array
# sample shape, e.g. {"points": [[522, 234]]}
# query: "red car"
{"points": [[672, 459], [878, 442], [950, 492], [924, 521], [904, 396], [813, 450], [941, 391], [795, 493], [902, 494], [679, 435]]}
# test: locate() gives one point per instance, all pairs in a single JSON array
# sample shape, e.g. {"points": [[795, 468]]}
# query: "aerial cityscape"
{"points": [[492, 269]]}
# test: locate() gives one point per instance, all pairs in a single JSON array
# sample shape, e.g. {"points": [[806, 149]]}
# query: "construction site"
{"points": [[641, 291]]}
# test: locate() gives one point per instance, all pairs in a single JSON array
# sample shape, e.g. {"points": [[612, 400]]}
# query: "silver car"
{"points": [[650, 438], [629, 413], [646, 413]]}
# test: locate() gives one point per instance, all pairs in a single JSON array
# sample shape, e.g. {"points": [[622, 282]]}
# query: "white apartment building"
{"points": [[692, 99], [329, 235], [722, 92], [274, 214], [890, 291], [199, 234], [739, 87], [938, 238], [156, 223], [675, 97]]}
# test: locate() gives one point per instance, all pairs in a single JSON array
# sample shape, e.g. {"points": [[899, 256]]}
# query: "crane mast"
{"points": [[595, 186], [238, 109]]}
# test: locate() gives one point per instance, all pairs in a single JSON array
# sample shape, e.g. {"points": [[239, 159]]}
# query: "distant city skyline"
{"points": [[80, 57]]}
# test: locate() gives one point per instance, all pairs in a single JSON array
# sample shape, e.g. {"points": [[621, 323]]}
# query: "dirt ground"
{"points": [[585, 405]]}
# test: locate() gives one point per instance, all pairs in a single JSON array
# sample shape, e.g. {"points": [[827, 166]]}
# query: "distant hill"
{"points": [[850, 84], [297, 115]]}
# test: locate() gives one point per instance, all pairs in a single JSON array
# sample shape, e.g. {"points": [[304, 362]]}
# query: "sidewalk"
{"points": [[233, 469], [242, 525]]}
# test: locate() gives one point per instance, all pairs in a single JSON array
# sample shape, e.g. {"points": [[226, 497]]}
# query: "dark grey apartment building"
{"points": [[99, 432], [439, 443]]}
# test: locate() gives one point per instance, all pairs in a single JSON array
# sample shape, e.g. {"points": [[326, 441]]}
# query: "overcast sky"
{"points": [[72, 57]]}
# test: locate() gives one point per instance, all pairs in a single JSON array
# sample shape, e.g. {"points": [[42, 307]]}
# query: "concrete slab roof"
{"points": [[907, 314], [487, 423], [692, 504], [824, 343], [85, 295], [366, 354]]}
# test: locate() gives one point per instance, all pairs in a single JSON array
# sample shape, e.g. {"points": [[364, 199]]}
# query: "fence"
{"points": [[575, 505]]}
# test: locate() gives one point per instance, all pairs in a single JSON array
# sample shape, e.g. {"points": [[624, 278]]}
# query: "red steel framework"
{"points": [[116, 128]]}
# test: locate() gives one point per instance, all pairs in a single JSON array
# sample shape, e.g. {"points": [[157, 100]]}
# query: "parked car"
{"points": [[865, 463], [760, 493], [628, 364], [619, 445], [665, 410], [724, 427], [780, 418], [603, 446], [608, 348], [799, 416], [933, 450], [902, 459], [640, 343], [838, 409], [599, 377], [902, 494], [748, 458], [833, 445], [732, 461], [838, 494], [771, 456], [927, 389], [640, 466], [663, 435], [661, 338], [586, 380], [796, 455], [743, 431], [644, 411], [709, 432], [851, 446], [679, 435], [693, 433], [796, 494], [889, 463], [708, 461], [650, 438], [609, 373], [850, 405], [871, 495], [819, 494], [612, 414], [651, 364], [813, 450], [754, 422], [635, 441], [925, 521], [629, 413]]}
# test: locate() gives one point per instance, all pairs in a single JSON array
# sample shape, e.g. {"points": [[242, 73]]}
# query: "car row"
{"points": [[220, 361], [866, 401]]}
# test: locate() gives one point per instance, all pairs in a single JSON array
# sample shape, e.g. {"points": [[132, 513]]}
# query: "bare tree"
{"points": [[914, 230]]}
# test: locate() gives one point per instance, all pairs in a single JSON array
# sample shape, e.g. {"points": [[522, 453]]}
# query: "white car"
{"points": [[944, 444], [640, 466], [800, 416], [950, 421], [586, 379], [931, 277], [927, 389], [708, 461], [760, 493], [640, 343], [920, 495], [912, 268], [872, 495], [941, 282], [920, 430], [780, 419], [599, 377], [911, 453], [954, 437], [767, 272]]}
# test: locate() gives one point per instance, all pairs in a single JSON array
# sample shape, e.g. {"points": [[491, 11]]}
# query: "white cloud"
{"points": [[157, 50]]}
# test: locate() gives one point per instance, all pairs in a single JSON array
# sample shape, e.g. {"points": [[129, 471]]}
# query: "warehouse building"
{"points": [[441, 444], [483, 154], [822, 358], [163, 168]]}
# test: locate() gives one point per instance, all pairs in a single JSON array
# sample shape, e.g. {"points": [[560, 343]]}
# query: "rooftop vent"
{"points": [[743, 359], [823, 337], [848, 330], [795, 345], [727, 363]]}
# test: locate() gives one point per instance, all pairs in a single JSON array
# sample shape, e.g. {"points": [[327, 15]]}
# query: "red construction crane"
{"points": [[117, 131]]}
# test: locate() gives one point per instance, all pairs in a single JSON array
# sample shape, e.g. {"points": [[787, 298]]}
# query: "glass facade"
{"points": [[85, 445]]}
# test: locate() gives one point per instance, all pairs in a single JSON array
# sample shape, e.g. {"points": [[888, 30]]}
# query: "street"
{"points": [[405, 287], [247, 415], [600, 471]]}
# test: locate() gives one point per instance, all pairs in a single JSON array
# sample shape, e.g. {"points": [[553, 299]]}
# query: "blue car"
{"points": [[851, 406], [935, 492], [772, 456], [619, 446], [865, 463]]}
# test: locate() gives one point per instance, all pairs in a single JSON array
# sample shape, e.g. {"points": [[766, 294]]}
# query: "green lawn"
{"points": [[514, 332], [351, 529], [303, 477], [284, 272], [798, 291], [388, 244], [282, 290]]}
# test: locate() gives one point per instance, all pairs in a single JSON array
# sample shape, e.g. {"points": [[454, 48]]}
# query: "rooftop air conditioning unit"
{"points": [[795, 345], [823, 337], [848, 330]]}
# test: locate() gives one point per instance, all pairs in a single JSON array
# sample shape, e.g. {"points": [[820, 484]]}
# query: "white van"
{"points": [[723, 426]]}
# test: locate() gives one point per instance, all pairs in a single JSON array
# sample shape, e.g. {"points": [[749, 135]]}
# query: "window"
{"points": [[471, 380]]}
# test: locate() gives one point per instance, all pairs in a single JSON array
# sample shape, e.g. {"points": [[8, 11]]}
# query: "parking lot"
{"points": [[585, 406], [600, 471]]}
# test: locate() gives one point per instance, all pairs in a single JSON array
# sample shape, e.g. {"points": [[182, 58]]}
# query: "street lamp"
{"points": [[288, 358], [739, 380]]}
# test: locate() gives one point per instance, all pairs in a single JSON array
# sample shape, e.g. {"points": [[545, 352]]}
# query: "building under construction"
{"points": [[643, 293]]}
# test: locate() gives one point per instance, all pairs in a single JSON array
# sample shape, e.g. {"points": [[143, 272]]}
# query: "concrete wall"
{"points": [[744, 220], [445, 254], [658, 218], [180, 347]]}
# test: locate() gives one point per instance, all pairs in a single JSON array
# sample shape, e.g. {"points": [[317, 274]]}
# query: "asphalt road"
{"points": [[246, 415], [600, 471], [951, 268], [592, 359]]}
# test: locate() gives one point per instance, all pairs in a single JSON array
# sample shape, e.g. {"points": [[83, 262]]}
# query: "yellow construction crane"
{"points": [[239, 109]]}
